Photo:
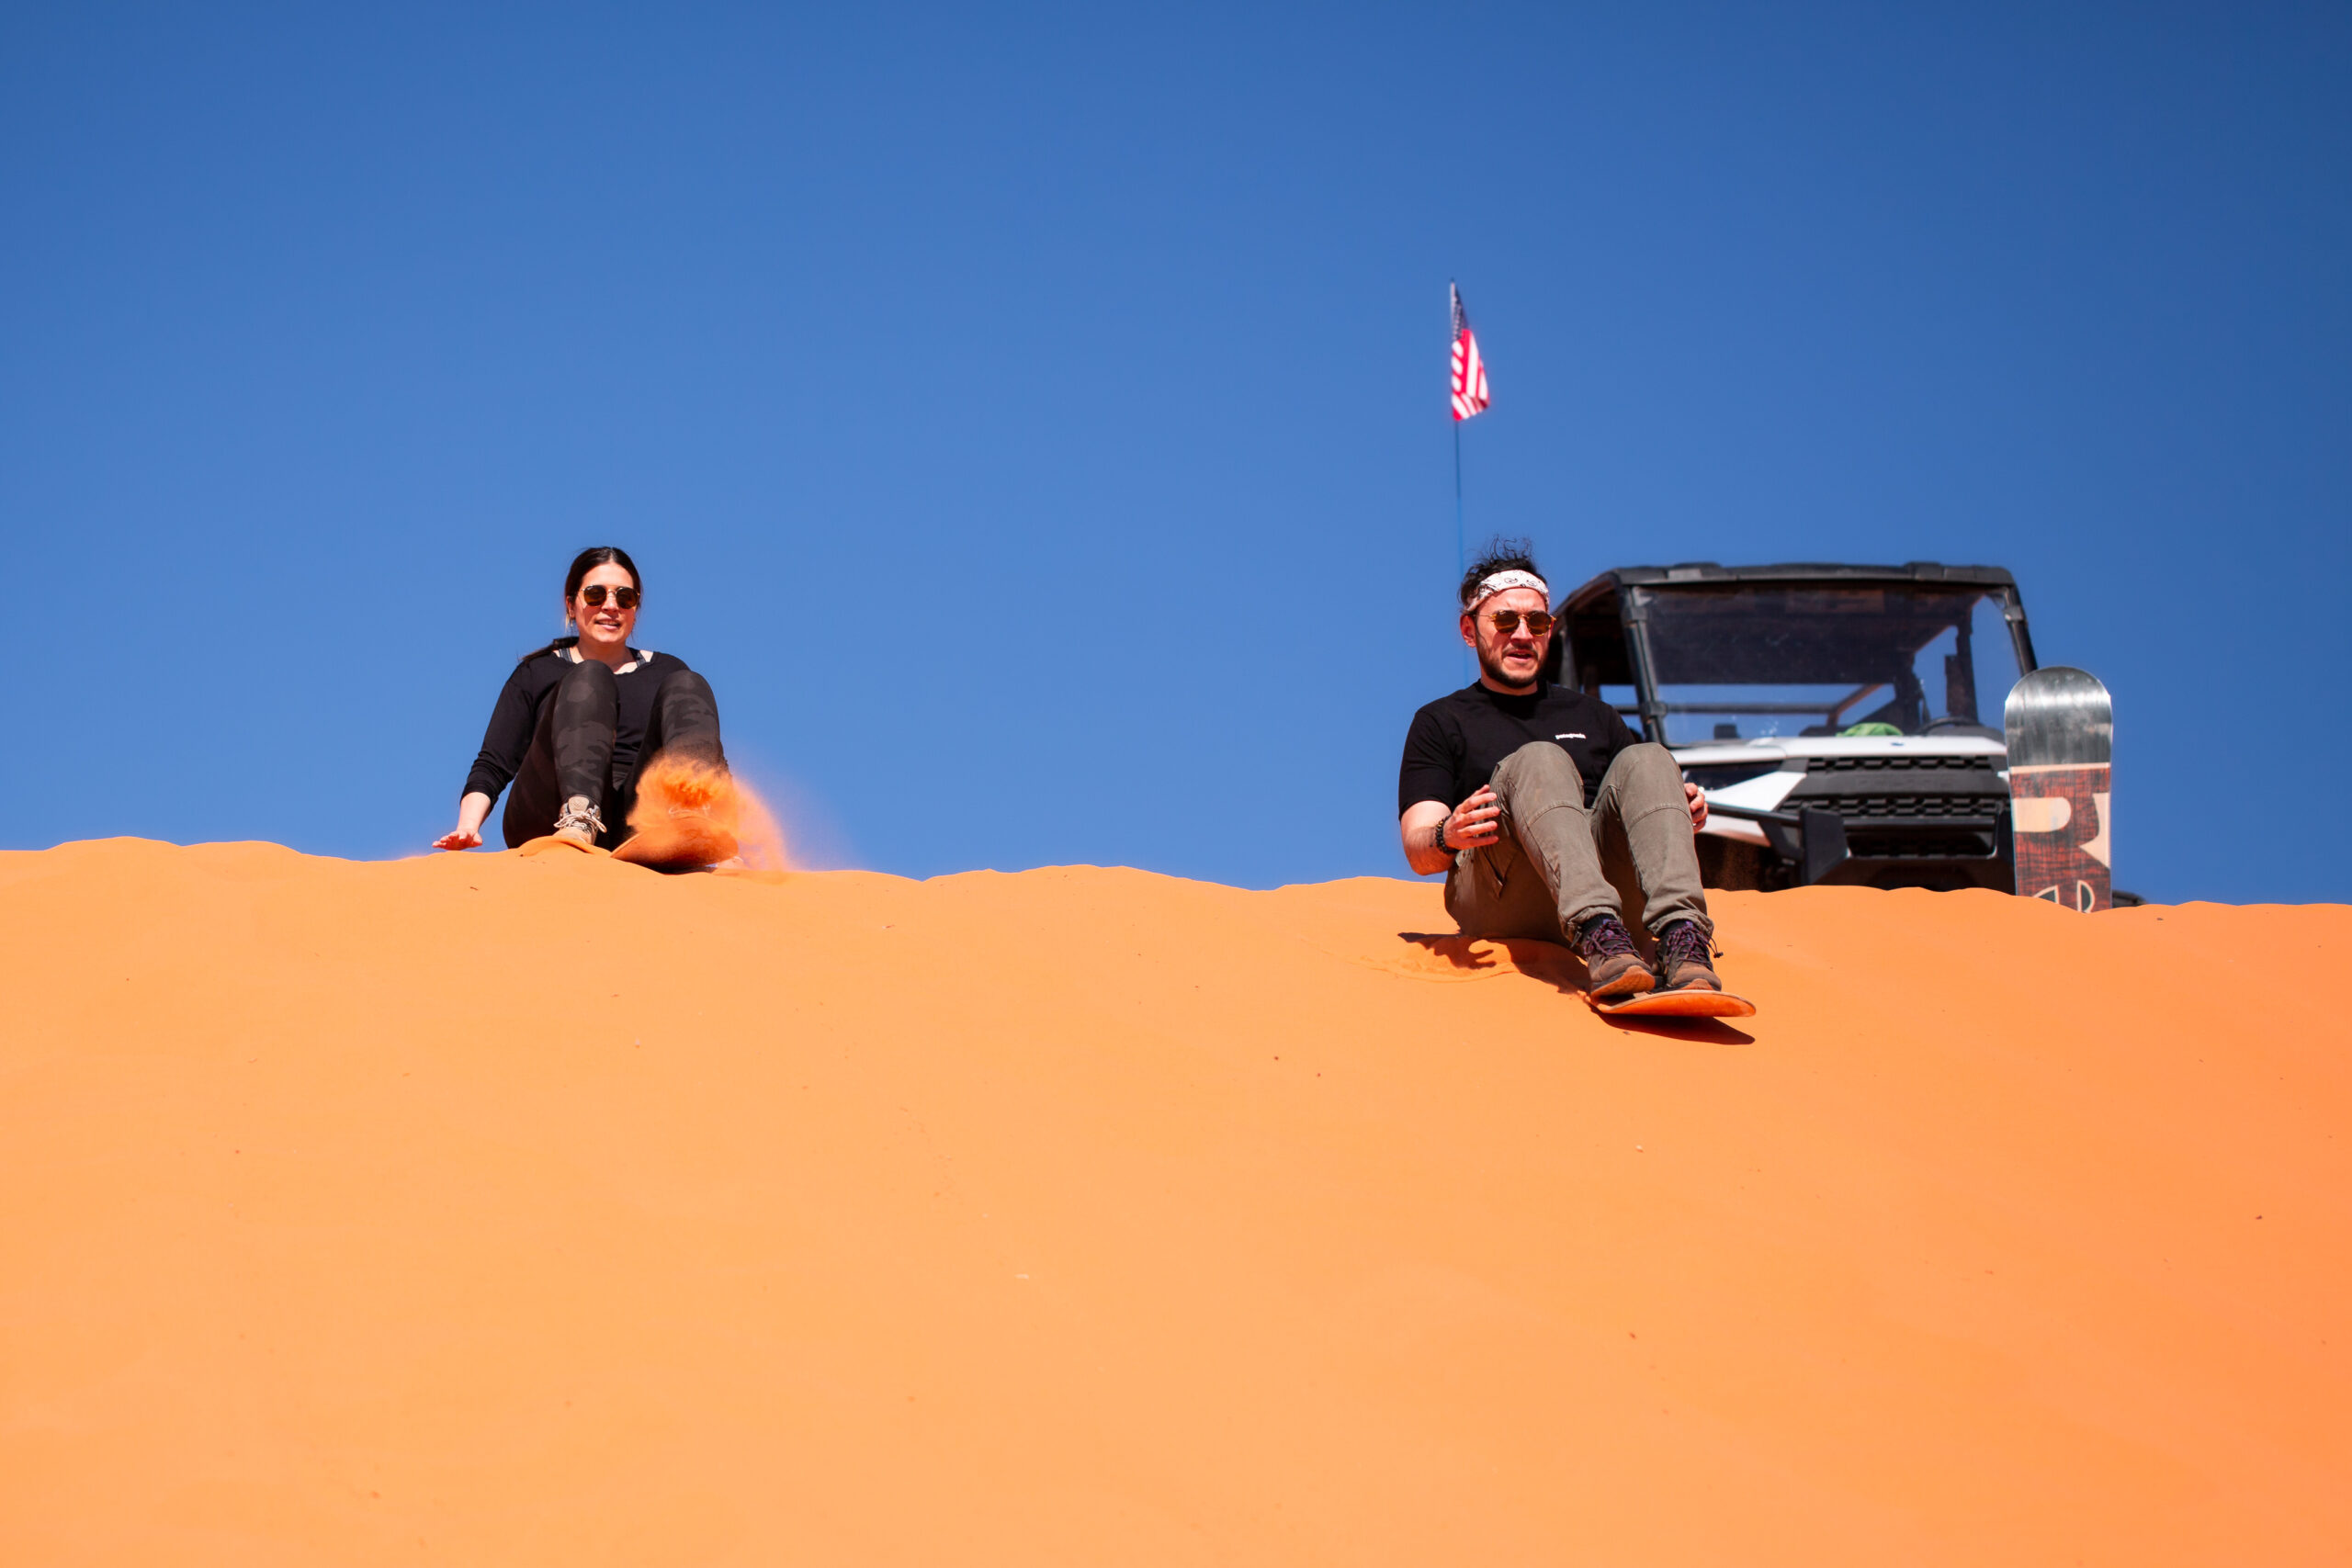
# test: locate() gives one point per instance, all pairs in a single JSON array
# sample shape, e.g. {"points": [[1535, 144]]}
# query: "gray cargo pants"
{"points": [[1558, 864]]}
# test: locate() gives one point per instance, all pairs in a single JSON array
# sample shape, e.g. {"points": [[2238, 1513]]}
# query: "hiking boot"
{"points": [[1612, 966], [1683, 952], [580, 823]]}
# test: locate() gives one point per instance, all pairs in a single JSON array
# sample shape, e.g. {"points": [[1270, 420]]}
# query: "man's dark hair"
{"points": [[1500, 555]]}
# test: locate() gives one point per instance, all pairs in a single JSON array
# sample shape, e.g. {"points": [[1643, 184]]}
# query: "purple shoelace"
{"points": [[1682, 942], [1605, 938]]}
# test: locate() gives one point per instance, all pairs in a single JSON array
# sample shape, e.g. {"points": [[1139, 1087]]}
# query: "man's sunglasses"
{"points": [[593, 597], [1507, 622]]}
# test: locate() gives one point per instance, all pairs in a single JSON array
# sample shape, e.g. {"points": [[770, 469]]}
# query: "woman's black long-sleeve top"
{"points": [[515, 717]]}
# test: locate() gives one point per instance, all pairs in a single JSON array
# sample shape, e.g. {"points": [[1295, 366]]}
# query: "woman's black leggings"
{"points": [[571, 749]]}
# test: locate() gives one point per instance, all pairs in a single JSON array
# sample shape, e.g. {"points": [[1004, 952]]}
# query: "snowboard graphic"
{"points": [[2061, 728]]}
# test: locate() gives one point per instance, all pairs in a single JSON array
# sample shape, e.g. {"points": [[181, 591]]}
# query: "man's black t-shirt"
{"points": [[1457, 742]]}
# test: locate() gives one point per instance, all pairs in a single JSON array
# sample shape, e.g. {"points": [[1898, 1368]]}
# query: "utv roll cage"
{"points": [[1911, 793], [1604, 634]]}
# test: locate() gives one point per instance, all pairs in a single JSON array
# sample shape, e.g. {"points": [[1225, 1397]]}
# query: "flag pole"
{"points": [[1469, 389], [1461, 548]]}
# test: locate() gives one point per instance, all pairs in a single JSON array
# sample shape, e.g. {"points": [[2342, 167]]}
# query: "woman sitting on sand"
{"points": [[608, 746]]}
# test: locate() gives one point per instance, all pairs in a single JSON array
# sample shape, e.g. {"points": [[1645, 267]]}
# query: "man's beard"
{"points": [[1495, 672]]}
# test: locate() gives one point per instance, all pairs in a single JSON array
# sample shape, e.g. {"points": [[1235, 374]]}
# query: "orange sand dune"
{"points": [[504, 1211]]}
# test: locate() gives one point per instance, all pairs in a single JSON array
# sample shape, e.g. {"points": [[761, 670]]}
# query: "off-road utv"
{"points": [[1837, 716]]}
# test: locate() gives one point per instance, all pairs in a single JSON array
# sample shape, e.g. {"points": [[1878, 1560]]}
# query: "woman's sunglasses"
{"points": [[1506, 621], [593, 596]]}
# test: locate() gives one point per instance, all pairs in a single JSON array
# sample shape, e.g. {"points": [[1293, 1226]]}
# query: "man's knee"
{"points": [[1647, 759], [1645, 770], [1542, 766]]}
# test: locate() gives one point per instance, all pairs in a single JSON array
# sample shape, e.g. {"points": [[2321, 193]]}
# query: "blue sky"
{"points": [[1032, 420]]}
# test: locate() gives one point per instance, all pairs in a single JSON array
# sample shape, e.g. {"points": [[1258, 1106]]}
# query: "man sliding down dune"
{"points": [[1549, 818]]}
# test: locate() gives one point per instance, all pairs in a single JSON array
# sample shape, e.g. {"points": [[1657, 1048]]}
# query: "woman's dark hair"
{"points": [[587, 561], [1500, 555]]}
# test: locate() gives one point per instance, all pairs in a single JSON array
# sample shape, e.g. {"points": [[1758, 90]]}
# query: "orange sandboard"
{"points": [[1691, 1001], [679, 841], [548, 844]]}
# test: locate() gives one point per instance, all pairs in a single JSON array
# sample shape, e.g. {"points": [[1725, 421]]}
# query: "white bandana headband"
{"points": [[1490, 586]]}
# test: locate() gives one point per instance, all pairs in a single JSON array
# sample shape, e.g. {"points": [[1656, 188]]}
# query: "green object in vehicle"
{"points": [[1869, 729]]}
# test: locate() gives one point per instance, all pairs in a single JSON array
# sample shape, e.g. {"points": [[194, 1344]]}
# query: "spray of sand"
{"points": [[670, 785]]}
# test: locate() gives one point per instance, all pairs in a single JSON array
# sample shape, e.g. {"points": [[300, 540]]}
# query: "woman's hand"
{"points": [[1696, 798], [467, 834]]}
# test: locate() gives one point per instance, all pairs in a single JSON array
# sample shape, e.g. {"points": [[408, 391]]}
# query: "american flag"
{"points": [[1469, 371]]}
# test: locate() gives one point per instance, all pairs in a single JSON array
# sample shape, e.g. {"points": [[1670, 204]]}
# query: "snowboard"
{"points": [[2061, 728], [1691, 1001]]}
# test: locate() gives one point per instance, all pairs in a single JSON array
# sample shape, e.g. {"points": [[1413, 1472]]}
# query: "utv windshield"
{"points": [[1736, 662]]}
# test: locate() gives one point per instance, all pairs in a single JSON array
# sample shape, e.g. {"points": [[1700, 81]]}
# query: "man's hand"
{"points": [[1697, 800], [1472, 824], [1469, 826]]}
